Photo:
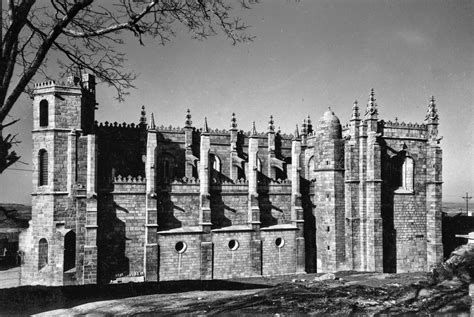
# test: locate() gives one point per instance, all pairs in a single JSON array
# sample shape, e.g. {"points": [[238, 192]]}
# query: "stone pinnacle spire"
{"points": [[371, 111], [432, 113], [355, 111], [143, 116], [271, 126], [297, 134], [254, 130], [152, 122], [233, 122], [309, 125], [206, 127], [304, 127], [188, 122]]}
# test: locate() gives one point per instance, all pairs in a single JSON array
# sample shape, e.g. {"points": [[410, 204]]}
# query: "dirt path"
{"points": [[342, 294], [163, 304]]}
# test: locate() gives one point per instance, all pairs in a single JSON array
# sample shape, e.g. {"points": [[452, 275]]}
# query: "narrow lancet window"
{"points": [[43, 113], [408, 171], [42, 253], [43, 168]]}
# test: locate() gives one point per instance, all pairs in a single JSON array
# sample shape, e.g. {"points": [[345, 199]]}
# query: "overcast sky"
{"points": [[306, 56]]}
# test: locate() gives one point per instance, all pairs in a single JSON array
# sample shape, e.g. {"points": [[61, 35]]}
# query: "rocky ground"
{"points": [[342, 294], [441, 292]]}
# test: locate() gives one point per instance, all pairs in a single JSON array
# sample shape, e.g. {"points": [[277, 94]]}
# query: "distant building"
{"points": [[119, 202]]}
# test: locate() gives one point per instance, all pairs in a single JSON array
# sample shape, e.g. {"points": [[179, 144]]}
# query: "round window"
{"points": [[180, 246], [279, 242], [233, 245]]}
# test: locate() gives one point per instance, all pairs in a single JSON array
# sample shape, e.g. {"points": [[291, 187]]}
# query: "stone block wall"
{"points": [[129, 202], [404, 210], [278, 257], [174, 265], [232, 263], [229, 204]]}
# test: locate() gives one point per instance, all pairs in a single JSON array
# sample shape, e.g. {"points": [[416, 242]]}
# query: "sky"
{"points": [[306, 56]]}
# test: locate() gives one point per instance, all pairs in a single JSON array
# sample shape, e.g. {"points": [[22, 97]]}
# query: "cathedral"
{"points": [[119, 202]]}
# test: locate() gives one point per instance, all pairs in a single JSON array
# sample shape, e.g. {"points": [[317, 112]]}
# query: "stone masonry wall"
{"points": [[231, 263], [409, 207], [129, 200], [278, 259]]}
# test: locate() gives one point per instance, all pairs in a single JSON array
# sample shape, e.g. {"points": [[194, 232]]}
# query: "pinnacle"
{"points": [[206, 127], [254, 130], [188, 122], [233, 122], [152, 122]]}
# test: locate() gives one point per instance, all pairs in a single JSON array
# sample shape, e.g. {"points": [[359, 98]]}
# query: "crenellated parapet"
{"points": [[129, 179], [116, 125], [129, 185], [403, 130]]}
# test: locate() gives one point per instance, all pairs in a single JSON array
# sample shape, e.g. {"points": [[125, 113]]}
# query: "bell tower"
{"points": [[63, 113]]}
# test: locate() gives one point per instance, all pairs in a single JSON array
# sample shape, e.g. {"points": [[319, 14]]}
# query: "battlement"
{"points": [[129, 180], [169, 128], [87, 82], [406, 130], [185, 180], [45, 84], [129, 185], [116, 125], [403, 125]]}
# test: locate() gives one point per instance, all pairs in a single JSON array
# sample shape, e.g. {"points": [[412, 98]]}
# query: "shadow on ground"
{"points": [[29, 300]]}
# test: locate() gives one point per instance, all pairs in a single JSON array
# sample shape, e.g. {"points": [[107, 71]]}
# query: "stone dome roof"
{"points": [[330, 126], [329, 117]]}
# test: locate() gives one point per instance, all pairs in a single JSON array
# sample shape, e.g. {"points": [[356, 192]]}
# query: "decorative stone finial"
{"points": [[188, 122], [371, 110], [233, 122], [143, 116], [271, 127], [304, 127], [279, 130], [254, 130], [297, 134], [355, 111], [206, 127], [309, 125], [152, 122], [432, 113]]}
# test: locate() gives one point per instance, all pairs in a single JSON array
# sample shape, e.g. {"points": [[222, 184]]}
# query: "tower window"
{"points": [[43, 115], [43, 168], [42, 253], [69, 251]]}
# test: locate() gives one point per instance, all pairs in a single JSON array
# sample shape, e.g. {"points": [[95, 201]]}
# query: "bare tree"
{"points": [[88, 34]]}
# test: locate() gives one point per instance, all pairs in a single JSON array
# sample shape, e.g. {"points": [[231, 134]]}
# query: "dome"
{"points": [[330, 126], [329, 118]]}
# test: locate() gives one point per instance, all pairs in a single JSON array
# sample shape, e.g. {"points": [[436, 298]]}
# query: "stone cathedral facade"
{"points": [[137, 202]]}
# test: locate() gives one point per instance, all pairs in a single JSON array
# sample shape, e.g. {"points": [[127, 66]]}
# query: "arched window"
{"points": [[310, 174], [43, 167], [408, 170], [215, 162], [42, 253], [43, 113], [69, 251], [166, 167]]}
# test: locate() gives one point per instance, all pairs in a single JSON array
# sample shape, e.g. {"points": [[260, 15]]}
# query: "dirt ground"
{"points": [[346, 293]]}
